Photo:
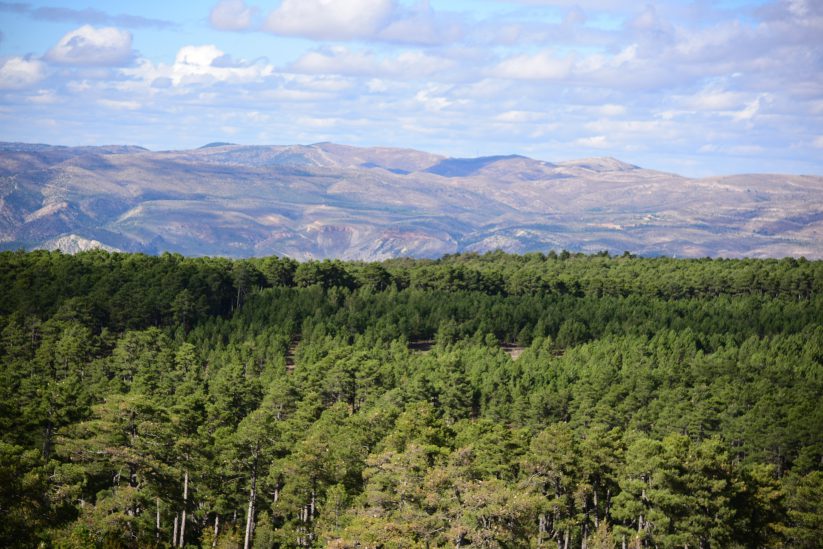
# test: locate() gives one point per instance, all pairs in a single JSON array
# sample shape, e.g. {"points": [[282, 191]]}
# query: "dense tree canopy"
{"points": [[473, 401]]}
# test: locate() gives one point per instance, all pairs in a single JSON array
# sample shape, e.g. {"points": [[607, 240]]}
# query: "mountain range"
{"points": [[328, 200]]}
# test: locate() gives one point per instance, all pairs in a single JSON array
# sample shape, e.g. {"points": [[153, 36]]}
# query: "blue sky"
{"points": [[693, 87]]}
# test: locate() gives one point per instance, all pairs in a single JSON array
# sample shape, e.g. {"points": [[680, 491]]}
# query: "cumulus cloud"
{"points": [[232, 15], [201, 65], [330, 19], [198, 56], [422, 25], [19, 73], [379, 21], [87, 45]]}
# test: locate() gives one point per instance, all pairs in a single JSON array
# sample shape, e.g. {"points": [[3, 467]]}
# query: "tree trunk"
{"points": [[566, 540], [174, 534], [157, 521], [47, 441], [312, 505], [185, 503], [541, 529], [216, 530], [608, 502], [250, 516]]}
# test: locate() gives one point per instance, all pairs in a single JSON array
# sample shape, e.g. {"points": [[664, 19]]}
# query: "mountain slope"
{"points": [[328, 200]]}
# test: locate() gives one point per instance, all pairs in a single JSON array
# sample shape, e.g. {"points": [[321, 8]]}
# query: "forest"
{"points": [[477, 400]]}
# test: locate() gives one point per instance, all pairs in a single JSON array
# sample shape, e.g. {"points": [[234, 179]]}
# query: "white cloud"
{"points": [[320, 83], [818, 142], [800, 8], [542, 66], [201, 65], [44, 97], [18, 73], [708, 100], [610, 110], [747, 149], [107, 46], [643, 128], [119, 105], [748, 112], [336, 60], [330, 19], [340, 60], [232, 15], [376, 85], [594, 142], [198, 56], [519, 117], [433, 98]]}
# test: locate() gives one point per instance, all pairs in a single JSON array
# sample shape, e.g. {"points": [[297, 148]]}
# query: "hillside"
{"points": [[328, 200]]}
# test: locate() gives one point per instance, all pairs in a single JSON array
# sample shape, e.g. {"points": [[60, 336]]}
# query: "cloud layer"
{"points": [[88, 45], [85, 15], [329, 19], [19, 73], [685, 87]]}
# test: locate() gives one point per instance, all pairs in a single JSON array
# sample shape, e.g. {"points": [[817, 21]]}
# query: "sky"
{"points": [[693, 87]]}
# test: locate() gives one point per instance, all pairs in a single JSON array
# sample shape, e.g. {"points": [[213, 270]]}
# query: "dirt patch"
{"points": [[422, 346], [290, 352], [514, 351]]}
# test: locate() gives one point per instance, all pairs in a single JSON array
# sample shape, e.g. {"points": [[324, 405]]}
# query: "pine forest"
{"points": [[552, 400]]}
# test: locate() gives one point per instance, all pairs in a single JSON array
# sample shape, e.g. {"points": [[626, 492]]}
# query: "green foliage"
{"points": [[656, 402]]}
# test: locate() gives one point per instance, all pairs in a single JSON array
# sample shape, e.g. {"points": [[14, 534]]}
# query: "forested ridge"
{"points": [[160, 401]]}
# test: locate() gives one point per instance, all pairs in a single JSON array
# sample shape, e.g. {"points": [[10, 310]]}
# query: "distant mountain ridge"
{"points": [[329, 200]]}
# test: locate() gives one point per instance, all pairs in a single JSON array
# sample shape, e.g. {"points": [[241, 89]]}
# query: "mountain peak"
{"points": [[217, 144]]}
